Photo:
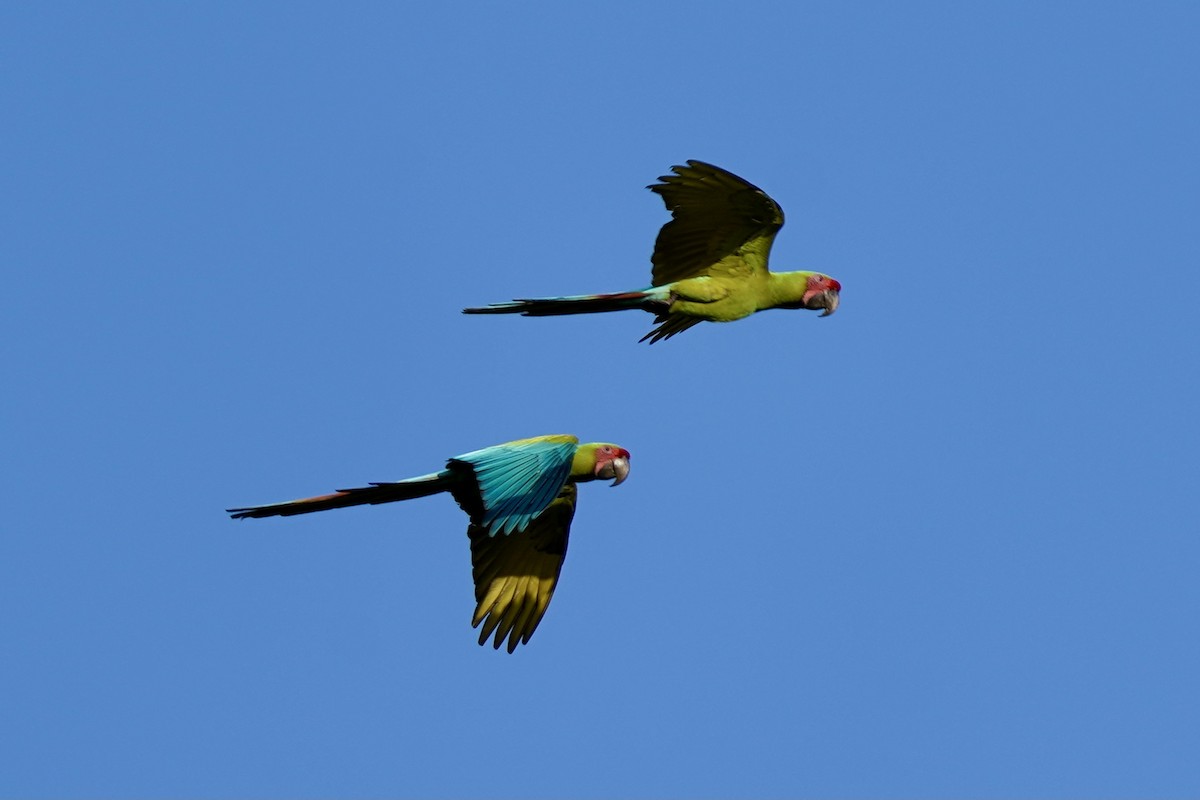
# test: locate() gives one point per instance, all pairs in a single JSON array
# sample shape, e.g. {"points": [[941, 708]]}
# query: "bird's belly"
{"points": [[712, 299], [726, 309]]}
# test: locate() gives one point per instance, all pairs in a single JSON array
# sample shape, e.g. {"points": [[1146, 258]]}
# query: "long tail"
{"points": [[408, 489], [648, 299]]}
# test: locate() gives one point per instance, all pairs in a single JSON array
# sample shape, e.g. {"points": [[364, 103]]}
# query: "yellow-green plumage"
{"points": [[515, 576], [709, 261]]}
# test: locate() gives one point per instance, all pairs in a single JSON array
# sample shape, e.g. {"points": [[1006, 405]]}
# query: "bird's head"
{"points": [[821, 292], [601, 461]]}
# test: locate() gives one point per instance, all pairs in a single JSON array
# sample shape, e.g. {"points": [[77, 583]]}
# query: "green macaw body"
{"points": [[725, 297], [520, 497], [709, 261]]}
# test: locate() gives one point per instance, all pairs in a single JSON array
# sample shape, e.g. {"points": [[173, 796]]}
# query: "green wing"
{"points": [[515, 575], [721, 224]]}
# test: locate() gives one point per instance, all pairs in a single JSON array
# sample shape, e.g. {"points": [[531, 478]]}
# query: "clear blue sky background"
{"points": [[944, 542]]}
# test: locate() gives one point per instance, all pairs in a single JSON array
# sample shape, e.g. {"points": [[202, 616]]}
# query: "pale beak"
{"points": [[617, 468], [830, 300]]}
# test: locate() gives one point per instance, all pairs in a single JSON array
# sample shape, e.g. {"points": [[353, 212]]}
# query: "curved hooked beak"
{"points": [[829, 299], [616, 468]]}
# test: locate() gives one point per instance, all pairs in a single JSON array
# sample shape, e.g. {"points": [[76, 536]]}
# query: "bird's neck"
{"points": [[583, 465], [787, 288]]}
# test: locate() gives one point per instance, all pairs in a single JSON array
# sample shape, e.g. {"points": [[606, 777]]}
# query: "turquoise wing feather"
{"points": [[518, 480]]}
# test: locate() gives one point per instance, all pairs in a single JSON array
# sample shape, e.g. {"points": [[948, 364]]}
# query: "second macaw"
{"points": [[709, 262], [520, 497]]}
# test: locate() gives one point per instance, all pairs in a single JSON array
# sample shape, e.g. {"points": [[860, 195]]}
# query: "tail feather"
{"points": [[409, 489], [669, 325], [578, 304]]}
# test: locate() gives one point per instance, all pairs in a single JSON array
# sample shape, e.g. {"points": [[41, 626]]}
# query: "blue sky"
{"points": [[943, 543]]}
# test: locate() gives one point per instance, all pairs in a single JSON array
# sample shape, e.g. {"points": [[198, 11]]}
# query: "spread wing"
{"points": [[721, 224], [514, 482], [515, 575]]}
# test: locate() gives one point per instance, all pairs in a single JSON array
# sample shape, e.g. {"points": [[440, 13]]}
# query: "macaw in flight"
{"points": [[521, 500], [709, 262]]}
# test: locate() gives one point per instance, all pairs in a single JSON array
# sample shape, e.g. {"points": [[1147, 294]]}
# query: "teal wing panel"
{"points": [[518, 480]]}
